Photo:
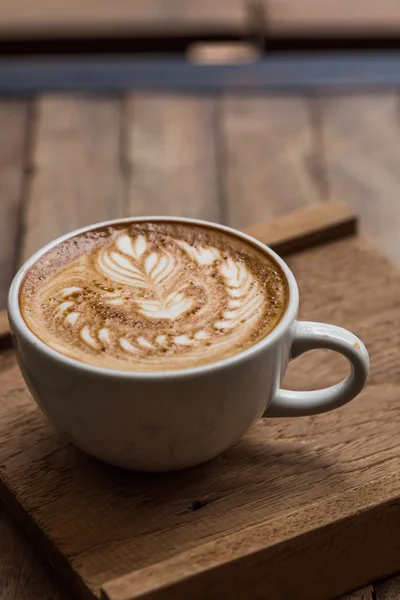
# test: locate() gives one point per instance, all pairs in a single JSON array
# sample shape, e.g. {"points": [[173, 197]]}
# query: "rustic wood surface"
{"points": [[259, 571], [360, 140], [162, 18], [364, 594], [172, 158], [14, 137], [388, 590], [344, 17], [76, 169], [270, 157], [111, 18], [301, 229], [24, 573], [253, 492], [29, 143], [353, 446]]}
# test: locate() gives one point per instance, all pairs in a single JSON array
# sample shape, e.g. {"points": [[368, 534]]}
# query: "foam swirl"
{"points": [[131, 263], [149, 303]]}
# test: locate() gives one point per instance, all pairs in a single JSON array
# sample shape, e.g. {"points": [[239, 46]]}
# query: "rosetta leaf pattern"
{"points": [[154, 272], [163, 285], [244, 293]]}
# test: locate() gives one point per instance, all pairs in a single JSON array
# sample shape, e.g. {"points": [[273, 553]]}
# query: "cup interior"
{"points": [[22, 329]]}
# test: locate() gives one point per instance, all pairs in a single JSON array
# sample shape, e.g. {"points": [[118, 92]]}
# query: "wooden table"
{"points": [[66, 161], [161, 19]]}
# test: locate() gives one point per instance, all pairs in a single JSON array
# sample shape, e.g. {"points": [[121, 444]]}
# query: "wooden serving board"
{"points": [[300, 509]]}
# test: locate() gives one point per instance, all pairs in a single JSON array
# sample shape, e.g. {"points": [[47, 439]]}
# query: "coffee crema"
{"points": [[153, 296]]}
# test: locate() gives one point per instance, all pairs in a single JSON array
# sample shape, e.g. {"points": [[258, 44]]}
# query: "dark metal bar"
{"points": [[277, 72]]}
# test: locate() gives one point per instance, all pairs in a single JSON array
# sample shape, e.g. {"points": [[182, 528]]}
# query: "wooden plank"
{"points": [[316, 497], [76, 175], [366, 593], [361, 146], [271, 162], [350, 18], [210, 15], [172, 156], [13, 128], [388, 590], [221, 568], [316, 224], [23, 573], [97, 18]]}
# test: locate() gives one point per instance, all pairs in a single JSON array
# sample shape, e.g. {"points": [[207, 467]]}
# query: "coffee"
{"points": [[153, 296]]}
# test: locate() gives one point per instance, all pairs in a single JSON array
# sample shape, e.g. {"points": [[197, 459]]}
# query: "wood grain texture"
{"points": [[254, 564], [76, 175], [172, 157], [308, 493], [319, 223], [91, 18], [24, 575], [13, 129], [361, 147], [364, 594], [345, 17], [388, 590], [270, 157]]}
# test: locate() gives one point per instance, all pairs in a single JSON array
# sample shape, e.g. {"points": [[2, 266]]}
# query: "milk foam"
{"points": [[142, 301]]}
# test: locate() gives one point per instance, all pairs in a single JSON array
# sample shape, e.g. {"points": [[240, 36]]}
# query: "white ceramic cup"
{"points": [[165, 421]]}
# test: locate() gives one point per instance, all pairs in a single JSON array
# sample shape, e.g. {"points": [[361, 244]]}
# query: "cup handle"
{"points": [[310, 336]]}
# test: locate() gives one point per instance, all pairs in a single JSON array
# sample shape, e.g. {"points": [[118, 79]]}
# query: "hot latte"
{"points": [[153, 296]]}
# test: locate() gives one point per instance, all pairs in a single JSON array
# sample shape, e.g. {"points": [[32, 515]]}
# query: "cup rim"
{"points": [[18, 322]]}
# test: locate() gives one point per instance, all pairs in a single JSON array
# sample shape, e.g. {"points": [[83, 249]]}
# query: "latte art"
{"points": [[153, 296]]}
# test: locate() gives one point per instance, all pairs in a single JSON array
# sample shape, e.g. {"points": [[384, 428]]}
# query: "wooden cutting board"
{"points": [[300, 509]]}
